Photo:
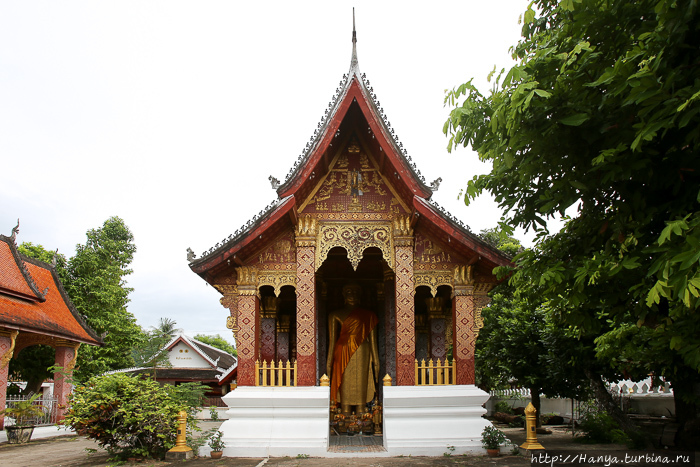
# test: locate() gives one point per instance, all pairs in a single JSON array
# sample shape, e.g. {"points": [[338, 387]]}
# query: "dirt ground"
{"points": [[70, 451]]}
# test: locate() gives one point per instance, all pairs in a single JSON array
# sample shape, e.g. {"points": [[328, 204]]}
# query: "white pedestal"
{"points": [[431, 420], [276, 421]]}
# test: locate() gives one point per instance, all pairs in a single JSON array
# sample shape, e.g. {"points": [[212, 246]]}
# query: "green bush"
{"points": [[599, 427], [128, 416], [503, 406]]}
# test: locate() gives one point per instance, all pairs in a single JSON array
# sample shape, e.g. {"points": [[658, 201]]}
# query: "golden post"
{"points": [[531, 429], [180, 441]]}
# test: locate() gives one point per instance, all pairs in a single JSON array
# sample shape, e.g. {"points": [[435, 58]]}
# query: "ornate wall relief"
{"points": [[355, 238], [354, 188], [279, 254]]}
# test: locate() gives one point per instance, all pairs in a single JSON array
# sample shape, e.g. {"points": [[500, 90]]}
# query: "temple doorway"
{"points": [[357, 426]]}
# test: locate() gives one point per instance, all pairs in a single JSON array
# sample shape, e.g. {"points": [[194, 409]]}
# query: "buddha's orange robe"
{"points": [[356, 328]]}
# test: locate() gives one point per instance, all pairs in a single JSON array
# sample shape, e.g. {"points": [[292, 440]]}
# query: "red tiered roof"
{"points": [[32, 299]]}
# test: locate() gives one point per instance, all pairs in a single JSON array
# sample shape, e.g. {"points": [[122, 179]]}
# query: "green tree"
{"points": [[600, 114], [33, 365], [167, 327], [218, 342], [30, 250], [98, 289], [521, 344]]}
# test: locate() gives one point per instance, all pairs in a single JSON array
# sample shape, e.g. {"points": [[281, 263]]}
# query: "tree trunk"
{"points": [[33, 386], [535, 397], [606, 401], [686, 390]]}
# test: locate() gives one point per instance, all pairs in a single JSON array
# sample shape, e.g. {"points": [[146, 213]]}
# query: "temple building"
{"points": [[35, 310], [346, 296]]}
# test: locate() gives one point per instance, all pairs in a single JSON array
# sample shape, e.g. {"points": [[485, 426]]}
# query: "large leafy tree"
{"points": [[94, 281], [98, 289], [522, 344], [600, 116]]}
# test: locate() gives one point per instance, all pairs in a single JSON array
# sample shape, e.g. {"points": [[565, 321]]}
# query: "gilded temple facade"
{"points": [[353, 208]]}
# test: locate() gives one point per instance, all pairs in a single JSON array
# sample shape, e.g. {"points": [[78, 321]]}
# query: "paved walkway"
{"points": [[71, 451]]}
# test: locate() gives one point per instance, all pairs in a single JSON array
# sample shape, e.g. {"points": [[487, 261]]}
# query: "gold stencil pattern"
{"points": [[306, 316], [247, 344], [465, 338], [405, 317], [355, 238]]}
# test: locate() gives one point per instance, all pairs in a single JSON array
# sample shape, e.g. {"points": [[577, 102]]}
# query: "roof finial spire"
{"points": [[354, 67]]}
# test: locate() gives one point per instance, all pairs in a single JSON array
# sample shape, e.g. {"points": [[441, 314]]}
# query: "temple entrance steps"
{"points": [[356, 444]]}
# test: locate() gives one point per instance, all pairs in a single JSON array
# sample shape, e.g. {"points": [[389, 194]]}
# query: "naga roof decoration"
{"points": [[325, 132]]}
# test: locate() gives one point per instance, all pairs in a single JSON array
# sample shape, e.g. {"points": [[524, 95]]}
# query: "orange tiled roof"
{"points": [[52, 314], [13, 274]]}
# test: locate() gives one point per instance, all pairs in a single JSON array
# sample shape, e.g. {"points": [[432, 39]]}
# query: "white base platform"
{"points": [[276, 422], [418, 421], [434, 420]]}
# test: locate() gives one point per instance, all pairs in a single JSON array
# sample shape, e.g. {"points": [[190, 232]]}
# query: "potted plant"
{"points": [[217, 445], [491, 439], [24, 413]]}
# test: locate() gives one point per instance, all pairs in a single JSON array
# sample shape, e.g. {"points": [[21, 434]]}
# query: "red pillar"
{"points": [[464, 335], [248, 311], [306, 302], [306, 316], [7, 348], [66, 354], [405, 304]]}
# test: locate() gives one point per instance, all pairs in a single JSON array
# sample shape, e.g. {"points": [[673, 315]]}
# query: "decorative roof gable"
{"points": [[15, 279], [354, 111]]}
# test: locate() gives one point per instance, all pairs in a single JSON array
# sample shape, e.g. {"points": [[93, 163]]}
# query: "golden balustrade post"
{"points": [[531, 429], [181, 449]]}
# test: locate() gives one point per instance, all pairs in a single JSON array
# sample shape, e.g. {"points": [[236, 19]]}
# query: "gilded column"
{"points": [[66, 354], [469, 299], [405, 306], [7, 348], [306, 304], [268, 331], [248, 307]]}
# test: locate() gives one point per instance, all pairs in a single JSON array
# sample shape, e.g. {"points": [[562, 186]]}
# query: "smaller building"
{"points": [[194, 361], [36, 310]]}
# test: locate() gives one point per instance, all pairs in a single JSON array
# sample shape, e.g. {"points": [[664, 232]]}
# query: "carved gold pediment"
{"points": [[277, 279], [355, 238], [433, 279]]}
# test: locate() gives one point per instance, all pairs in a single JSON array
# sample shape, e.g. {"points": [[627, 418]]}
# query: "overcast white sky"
{"points": [[172, 115]]}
